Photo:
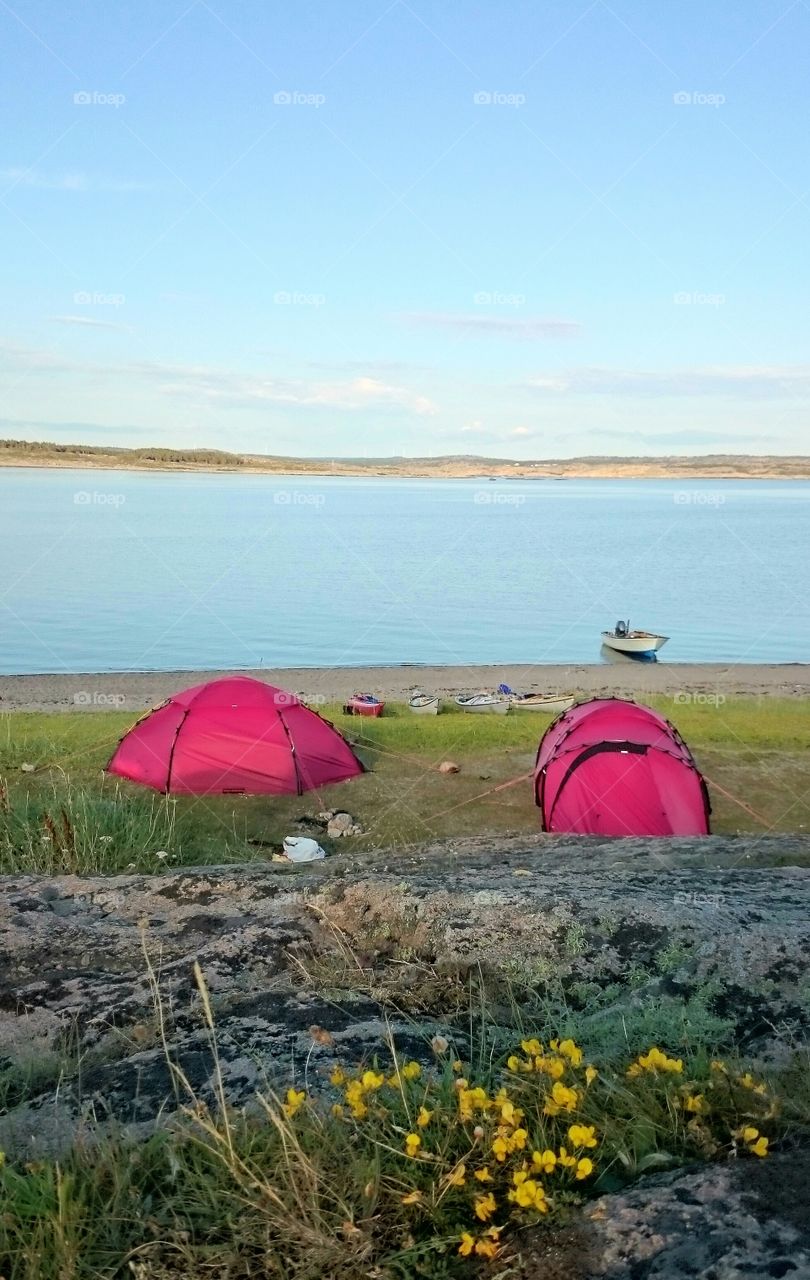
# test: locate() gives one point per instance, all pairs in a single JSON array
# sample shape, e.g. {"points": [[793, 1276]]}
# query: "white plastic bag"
{"points": [[302, 849]]}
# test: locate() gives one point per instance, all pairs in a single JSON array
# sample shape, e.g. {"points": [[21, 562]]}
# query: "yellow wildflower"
{"points": [[412, 1144], [760, 1147], [467, 1244], [553, 1067], [565, 1160], [655, 1060], [562, 1099], [483, 1175], [372, 1080], [411, 1071], [500, 1149], [457, 1065], [423, 1119], [510, 1114], [457, 1177], [531, 1047], [695, 1102], [513, 1063], [338, 1076], [530, 1195], [295, 1098], [718, 1065], [749, 1082], [485, 1206], [750, 1134], [471, 1100], [569, 1050], [590, 1074], [354, 1096], [413, 1197], [337, 1110], [517, 1141], [486, 1248], [545, 1161], [584, 1168], [582, 1135]]}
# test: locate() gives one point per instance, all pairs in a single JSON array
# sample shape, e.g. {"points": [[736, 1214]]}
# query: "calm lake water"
{"points": [[109, 571]]}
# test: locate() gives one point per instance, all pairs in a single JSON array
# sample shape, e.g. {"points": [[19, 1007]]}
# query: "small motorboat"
{"points": [[483, 703], [424, 704], [624, 640], [363, 704]]}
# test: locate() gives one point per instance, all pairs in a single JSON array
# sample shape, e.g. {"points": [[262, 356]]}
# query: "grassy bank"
{"points": [[58, 813], [390, 1169]]}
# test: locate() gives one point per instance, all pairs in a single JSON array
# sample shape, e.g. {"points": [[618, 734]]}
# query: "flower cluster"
{"points": [[756, 1143], [482, 1157], [656, 1061], [470, 1159], [718, 1116]]}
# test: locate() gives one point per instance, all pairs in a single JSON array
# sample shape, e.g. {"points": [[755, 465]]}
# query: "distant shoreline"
{"points": [[684, 682], [368, 473], [46, 455]]}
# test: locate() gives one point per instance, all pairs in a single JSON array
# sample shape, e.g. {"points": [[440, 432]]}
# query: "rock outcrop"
{"points": [[308, 963], [738, 1221]]}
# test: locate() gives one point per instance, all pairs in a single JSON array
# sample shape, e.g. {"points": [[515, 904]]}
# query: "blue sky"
{"points": [[406, 226]]}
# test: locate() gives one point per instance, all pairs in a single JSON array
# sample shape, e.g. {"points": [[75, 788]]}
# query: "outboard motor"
{"points": [[622, 628]]}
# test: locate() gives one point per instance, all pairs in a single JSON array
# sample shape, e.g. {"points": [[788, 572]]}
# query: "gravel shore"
{"points": [[689, 682]]}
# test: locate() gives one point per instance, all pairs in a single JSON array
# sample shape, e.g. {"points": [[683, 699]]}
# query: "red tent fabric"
{"points": [[234, 736], [614, 768]]}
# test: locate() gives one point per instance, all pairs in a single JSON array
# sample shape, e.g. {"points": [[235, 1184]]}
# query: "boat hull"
{"points": [[494, 708], [430, 707], [551, 706], [641, 642], [355, 707]]}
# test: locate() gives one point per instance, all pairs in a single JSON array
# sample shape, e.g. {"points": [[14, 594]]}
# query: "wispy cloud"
{"points": [[15, 358], [89, 323], [216, 387], [528, 327], [749, 381], [367, 366], [204, 386], [68, 181]]}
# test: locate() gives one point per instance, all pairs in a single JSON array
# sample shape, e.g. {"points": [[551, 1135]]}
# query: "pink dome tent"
{"points": [[614, 768], [235, 736]]}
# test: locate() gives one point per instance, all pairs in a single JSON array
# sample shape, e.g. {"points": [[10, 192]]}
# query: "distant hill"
{"points": [[27, 453]]}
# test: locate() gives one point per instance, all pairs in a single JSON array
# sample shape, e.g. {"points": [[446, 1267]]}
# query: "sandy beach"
{"points": [[685, 682]]}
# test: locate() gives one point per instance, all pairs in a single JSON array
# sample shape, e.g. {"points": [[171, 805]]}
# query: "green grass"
{"points": [[66, 816], [293, 1191]]}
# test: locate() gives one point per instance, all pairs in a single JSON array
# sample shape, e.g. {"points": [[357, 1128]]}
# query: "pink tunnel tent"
{"points": [[615, 768], [235, 736]]}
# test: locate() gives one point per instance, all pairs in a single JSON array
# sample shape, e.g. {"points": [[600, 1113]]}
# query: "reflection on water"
{"points": [[615, 655]]}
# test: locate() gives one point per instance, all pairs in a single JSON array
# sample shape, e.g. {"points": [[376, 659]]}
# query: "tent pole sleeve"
{"points": [[298, 781], [171, 753]]}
